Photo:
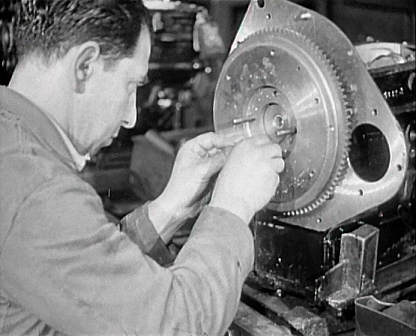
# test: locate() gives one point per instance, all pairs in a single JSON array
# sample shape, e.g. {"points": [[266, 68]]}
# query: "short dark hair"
{"points": [[52, 27]]}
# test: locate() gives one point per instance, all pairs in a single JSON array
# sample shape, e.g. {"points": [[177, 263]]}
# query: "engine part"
{"points": [[301, 105], [355, 272], [9, 13], [291, 69], [374, 317]]}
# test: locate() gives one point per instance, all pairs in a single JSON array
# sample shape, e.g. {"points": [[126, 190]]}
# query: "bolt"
{"points": [[304, 16], [239, 121], [353, 87], [289, 131], [412, 135], [278, 121]]}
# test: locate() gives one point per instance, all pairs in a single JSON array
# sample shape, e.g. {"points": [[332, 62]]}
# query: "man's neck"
{"points": [[42, 86]]}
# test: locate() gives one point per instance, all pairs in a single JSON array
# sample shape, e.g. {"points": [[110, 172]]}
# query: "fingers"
{"points": [[212, 140], [274, 153], [272, 150], [279, 165], [264, 149], [211, 144], [218, 145], [261, 140]]}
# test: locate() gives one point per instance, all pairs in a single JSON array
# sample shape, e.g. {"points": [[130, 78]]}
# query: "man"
{"points": [[63, 267]]}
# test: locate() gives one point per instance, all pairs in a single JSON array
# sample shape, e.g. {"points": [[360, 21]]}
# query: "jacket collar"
{"points": [[36, 122]]}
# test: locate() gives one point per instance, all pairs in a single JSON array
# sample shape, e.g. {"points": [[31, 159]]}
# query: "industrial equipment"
{"points": [[342, 221]]}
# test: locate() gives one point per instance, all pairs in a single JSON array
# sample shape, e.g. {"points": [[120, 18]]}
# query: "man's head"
{"points": [[94, 51]]}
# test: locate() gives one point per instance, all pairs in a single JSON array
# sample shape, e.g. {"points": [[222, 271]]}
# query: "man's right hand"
{"points": [[249, 178]]}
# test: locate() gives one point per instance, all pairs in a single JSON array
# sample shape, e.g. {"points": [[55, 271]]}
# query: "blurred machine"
{"points": [[342, 222], [9, 11], [185, 53]]}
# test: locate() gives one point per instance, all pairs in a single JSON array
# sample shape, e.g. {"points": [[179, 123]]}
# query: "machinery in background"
{"points": [[187, 53], [9, 11], [342, 223]]}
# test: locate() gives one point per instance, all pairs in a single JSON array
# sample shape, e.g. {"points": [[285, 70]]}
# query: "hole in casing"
{"points": [[369, 154]]}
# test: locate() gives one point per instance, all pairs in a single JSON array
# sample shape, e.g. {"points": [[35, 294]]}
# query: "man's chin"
{"points": [[108, 142], [102, 145]]}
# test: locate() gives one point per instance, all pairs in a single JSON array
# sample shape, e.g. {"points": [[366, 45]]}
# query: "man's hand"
{"points": [[249, 178], [197, 161]]}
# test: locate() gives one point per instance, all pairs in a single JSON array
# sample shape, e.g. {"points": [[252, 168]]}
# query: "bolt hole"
{"points": [[298, 68], [399, 167], [260, 3], [275, 93], [316, 100], [375, 112], [268, 16], [360, 192]]}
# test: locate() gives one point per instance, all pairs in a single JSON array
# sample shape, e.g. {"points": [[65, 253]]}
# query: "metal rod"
{"points": [[240, 121], [286, 131]]}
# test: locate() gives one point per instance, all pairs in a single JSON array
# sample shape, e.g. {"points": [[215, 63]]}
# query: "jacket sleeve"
{"points": [[139, 228], [65, 263]]}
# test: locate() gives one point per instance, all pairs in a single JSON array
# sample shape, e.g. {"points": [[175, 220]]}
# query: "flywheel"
{"points": [[280, 83]]}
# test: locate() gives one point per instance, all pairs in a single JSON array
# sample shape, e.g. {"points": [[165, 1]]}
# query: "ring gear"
{"points": [[287, 87]]}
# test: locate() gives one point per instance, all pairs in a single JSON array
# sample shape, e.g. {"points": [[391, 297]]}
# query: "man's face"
{"points": [[109, 99]]}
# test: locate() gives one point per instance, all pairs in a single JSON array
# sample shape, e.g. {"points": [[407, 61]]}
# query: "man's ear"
{"points": [[86, 58]]}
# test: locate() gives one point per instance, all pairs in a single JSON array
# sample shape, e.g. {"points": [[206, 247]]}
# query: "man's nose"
{"points": [[131, 118]]}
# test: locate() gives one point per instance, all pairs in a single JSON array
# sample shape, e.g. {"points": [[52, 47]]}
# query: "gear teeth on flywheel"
{"points": [[342, 168], [345, 95]]}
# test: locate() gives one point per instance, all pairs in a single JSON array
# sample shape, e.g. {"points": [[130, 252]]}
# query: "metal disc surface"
{"points": [[279, 83]]}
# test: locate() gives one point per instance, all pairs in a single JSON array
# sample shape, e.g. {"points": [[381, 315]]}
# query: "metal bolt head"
{"points": [[278, 121]]}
